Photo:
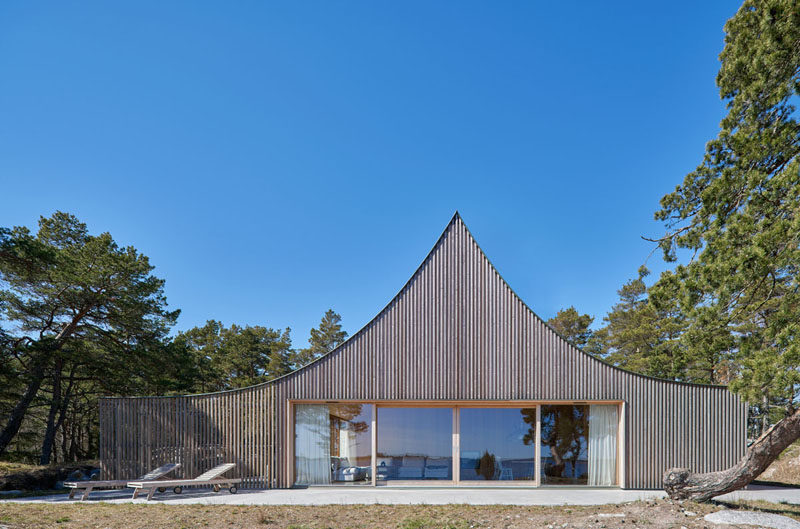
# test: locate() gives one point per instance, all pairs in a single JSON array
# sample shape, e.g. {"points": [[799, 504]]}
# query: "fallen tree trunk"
{"points": [[682, 484]]}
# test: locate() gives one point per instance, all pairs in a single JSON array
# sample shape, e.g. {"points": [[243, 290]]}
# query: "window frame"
{"points": [[456, 406]]}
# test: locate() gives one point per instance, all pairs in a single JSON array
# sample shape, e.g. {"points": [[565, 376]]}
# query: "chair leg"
{"points": [[150, 494], [136, 492], [86, 493], [72, 493]]}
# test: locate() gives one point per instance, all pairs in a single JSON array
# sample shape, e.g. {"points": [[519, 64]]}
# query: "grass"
{"points": [[38, 478], [429, 523], [13, 468], [786, 469], [660, 514]]}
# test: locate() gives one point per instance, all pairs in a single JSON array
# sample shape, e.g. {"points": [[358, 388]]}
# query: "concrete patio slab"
{"points": [[387, 495], [766, 493], [407, 496]]}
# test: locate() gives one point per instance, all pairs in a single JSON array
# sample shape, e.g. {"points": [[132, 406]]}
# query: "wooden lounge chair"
{"points": [[87, 486], [208, 478]]}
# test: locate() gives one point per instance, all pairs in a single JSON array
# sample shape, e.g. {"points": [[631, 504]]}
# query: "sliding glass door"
{"points": [[579, 444], [370, 443], [333, 444], [415, 444], [497, 444]]}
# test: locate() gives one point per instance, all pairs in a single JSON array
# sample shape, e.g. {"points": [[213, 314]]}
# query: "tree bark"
{"points": [[55, 405], [58, 411], [682, 484], [18, 413], [36, 376]]}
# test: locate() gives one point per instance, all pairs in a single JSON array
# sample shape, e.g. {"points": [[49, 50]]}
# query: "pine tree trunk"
{"points": [[55, 405], [16, 416], [58, 411], [682, 484], [35, 379]]}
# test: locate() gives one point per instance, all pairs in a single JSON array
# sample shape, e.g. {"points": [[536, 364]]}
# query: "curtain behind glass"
{"points": [[312, 449], [603, 425], [347, 446]]}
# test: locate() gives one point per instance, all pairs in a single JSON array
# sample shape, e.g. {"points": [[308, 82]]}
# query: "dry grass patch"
{"points": [[18, 476], [13, 468], [785, 469], [637, 515]]}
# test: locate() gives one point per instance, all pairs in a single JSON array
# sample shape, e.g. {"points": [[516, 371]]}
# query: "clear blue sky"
{"points": [[277, 159]]}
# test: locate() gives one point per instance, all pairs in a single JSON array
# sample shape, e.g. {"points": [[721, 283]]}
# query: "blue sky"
{"points": [[275, 159]]}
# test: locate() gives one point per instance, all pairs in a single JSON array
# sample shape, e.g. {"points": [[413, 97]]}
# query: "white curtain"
{"points": [[312, 449], [603, 426], [347, 445]]}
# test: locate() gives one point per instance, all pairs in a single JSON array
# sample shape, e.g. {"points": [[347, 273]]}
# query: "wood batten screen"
{"points": [[198, 431]]}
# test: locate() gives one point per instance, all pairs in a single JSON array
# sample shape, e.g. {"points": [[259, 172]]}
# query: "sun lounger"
{"points": [[209, 478], [87, 486]]}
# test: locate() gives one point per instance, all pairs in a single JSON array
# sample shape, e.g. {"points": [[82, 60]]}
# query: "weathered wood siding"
{"points": [[197, 431], [458, 332]]}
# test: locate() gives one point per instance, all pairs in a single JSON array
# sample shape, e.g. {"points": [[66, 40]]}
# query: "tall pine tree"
{"points": [[738, 214], [323, 339]]}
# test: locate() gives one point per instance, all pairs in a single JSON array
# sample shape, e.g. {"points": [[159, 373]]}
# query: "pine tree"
{"points": [[236, 356], [72, 304], [738, 215], [640, 334], [322, 340], [573, 326]]}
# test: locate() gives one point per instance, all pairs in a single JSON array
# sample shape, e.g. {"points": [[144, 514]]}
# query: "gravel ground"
{"points": [[760, 519]]}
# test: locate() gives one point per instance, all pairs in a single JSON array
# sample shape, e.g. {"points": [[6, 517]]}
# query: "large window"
{"points": [[563, 444], [579, 445], [415, 444], [333, 444], [498, 444]]}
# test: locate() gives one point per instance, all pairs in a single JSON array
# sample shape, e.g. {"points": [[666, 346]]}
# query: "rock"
{"points": [[76, 475], [689, 513], [761, 519]]}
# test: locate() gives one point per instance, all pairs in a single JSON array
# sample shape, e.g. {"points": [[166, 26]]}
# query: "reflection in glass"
{"points": [[333, 443], [565, 430], [415, 444], [498, 444]]}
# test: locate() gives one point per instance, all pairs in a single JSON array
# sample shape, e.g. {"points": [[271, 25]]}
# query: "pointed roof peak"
{"points": [[455, 218]]}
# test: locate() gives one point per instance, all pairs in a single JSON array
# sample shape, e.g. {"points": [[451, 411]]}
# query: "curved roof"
{"points": [[457, 221], [457, 246]]}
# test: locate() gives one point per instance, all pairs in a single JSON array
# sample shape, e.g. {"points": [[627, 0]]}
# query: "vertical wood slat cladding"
{"points": [[198, 431], [456, 331]]}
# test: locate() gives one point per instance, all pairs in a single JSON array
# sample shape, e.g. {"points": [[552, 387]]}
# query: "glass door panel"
{"points": [[579, 444], [333, 444], [498, 444], [415, 444], [565, 430]]}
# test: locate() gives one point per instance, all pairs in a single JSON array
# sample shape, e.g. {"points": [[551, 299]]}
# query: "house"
{"points": [[455, 382]]}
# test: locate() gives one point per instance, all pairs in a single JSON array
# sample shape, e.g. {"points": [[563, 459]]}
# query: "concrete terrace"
{"points": [[416, 495]]}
